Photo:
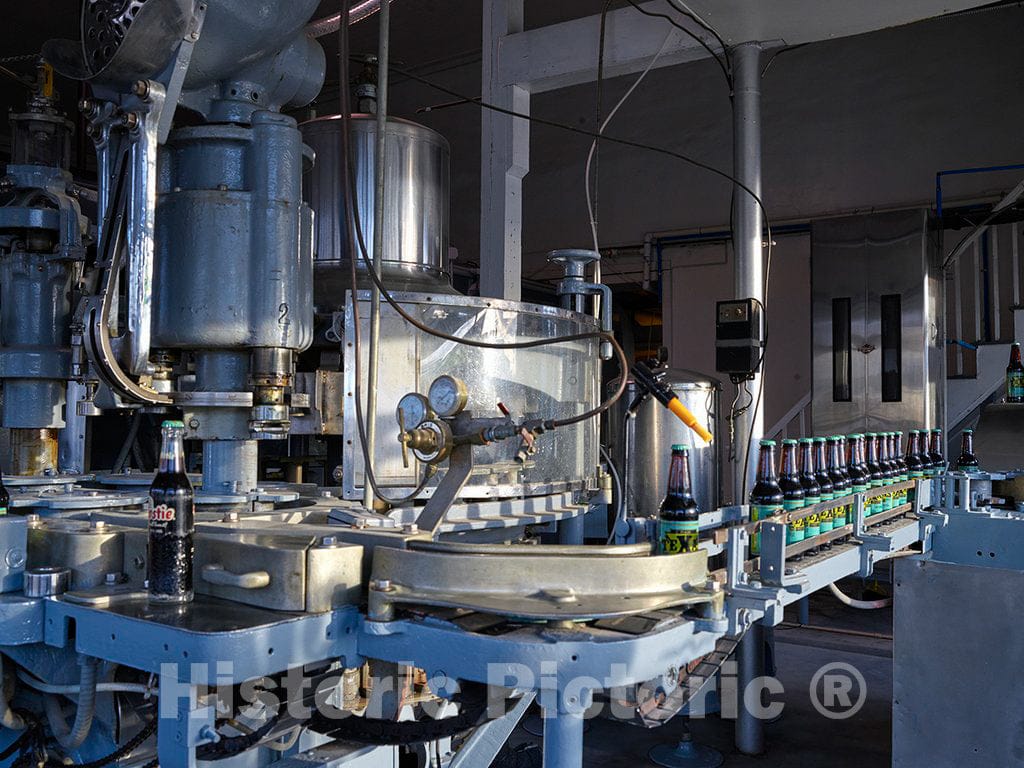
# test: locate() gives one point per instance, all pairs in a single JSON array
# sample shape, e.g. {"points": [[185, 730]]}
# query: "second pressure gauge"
{"points": [[448, 396]]}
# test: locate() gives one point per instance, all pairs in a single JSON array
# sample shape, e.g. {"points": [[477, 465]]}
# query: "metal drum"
{"points": [[651, 436], [416, 206], [548, 381]]}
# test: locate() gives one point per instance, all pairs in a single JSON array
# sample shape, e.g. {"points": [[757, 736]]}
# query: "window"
{"points": [[892, 348], [842, 362]]}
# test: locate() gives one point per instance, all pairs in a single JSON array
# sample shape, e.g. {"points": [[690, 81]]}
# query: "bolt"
{"points": [[112, 579], [130, 120], [713, 586], [87, 106], [193, 423], [381, 585], [98, 525], [326, 495], [410, 528], [230, 517], [360, 523], [32, 519], [141, 89], [329, 541]]}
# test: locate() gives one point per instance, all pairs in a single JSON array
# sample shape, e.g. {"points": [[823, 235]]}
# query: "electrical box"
{"points": [[739, 338]]}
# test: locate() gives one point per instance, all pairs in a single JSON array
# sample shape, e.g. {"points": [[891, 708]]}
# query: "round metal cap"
{"points": [[47, 581]]}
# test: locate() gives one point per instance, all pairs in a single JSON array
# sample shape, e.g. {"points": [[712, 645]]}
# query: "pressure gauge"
{"points": [[448, 396], [412, 410]]}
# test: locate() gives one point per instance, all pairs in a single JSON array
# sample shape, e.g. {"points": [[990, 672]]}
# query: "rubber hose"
{"points": [[864, 605], [74, 737]]}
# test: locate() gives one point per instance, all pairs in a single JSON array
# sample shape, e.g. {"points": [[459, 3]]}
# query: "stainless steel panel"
{"points": [[651, 437], [997, 438], [549, 381], [864, 258], [957, 656], [416, 208]]}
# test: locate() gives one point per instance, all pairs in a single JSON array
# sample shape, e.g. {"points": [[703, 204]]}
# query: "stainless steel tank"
{"points": [[651, 436], [550, 381], [416, 206]]}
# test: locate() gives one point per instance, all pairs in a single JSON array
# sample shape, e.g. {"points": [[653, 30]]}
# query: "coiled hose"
{"points": [[73, 737]]}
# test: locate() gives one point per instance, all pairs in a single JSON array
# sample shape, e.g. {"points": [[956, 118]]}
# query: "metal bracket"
{"points": [[773, 560]]}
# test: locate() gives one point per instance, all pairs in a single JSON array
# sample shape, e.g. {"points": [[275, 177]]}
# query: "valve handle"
{"points": [[403, 438]]}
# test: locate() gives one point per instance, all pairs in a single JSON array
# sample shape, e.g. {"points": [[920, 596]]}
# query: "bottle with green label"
{"points": [[902, 472], [936, 461], [5, 498], [809, 483], [766, 495], [915, 469], [841, 486], [874, 502], [857, 469], [888, 471], [678, 516], [967, 462], [1015, 376], [827, 516], [793, 495]]}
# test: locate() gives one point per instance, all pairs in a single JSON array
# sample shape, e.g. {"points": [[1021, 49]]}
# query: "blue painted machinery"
{"points": [[329, 627]]}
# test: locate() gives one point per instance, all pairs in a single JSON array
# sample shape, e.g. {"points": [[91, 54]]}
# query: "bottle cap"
{"points": [[968, 431], [819, 439], [789, 442], [680, 447], [936, 429], [173, 424], [806, 440], [767, 443]]}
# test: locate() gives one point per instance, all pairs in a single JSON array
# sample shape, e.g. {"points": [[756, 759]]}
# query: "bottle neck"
{"points": [[766, 465], [936, 447], [679, 475], [788, 461], [172, 453], [872, 450], [967, 443], [835, 460], [820, 460], [807, 462], [1015, 355]]}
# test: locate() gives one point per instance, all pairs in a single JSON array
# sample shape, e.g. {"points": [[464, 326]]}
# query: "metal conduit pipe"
{"points": [[74, 737], [332, 23], [378, 243]]}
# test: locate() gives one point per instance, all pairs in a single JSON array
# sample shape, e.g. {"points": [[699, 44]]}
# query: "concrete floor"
{"points": [[802, 736]]}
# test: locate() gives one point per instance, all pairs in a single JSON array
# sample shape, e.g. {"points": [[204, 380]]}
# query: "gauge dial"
{"points": [[412, 410], [448, 396]]}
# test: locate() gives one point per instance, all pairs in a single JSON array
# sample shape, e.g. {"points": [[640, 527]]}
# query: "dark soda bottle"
{"points": [[875, 479], [793, 496], [937, 464], [171, 522], [821, 474], [902, 473], [5, 498], [809, 483], [860, 480], [887, 497], [840, 479], [915, 467], [678, 517], [967, 462], [1015, 376], [766, 495], [828, 515]]}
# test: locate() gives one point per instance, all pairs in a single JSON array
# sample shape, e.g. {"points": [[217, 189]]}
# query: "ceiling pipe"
{"points": [[330, 24]]}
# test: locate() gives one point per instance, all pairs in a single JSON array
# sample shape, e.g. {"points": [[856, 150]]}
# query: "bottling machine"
{"points": [[403, 599]]}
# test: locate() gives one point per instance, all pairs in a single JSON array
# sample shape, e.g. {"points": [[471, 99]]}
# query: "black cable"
{"points": [[124, 750], [235, 745], [719, 59]]}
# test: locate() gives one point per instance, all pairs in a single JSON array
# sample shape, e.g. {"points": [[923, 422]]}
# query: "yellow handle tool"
{"points": [[686, 416]]}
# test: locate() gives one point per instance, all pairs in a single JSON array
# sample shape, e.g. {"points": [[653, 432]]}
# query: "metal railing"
{"points": [[799, 414]]}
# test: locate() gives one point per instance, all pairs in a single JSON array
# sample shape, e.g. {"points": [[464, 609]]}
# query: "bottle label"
{"points": [[790, 504], [1015, 385], [795, 533], [160, 517], [676, 536], [810, 501], [859, 488], [760, 512], [3, 510], [828, 520], [813, 523], [827, 496]]}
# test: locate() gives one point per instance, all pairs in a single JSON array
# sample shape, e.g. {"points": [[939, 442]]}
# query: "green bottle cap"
{"points": [[806, 440], [871, 434], [172, 424], [680, 448], [936, 429], [819, 439], [789, 442], [969, 431], [767, 443]]}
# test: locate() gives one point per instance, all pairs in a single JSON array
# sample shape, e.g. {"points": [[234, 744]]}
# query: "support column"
{"points": [[747, 234], [505, 160], [750, 663], [563, 739]]}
